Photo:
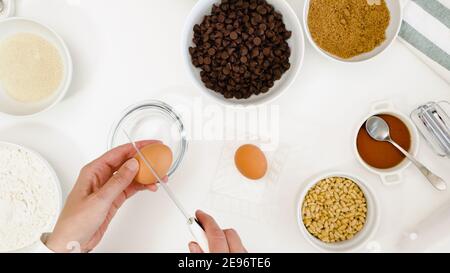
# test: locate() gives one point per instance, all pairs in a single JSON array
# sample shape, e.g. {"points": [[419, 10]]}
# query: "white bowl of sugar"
{"points": [[35, 67]]}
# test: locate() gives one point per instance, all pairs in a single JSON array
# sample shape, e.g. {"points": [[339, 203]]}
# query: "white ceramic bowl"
{"points": [[393, 175], [50, 169], [11, 26], [392, 31], [296, 43], [371, 225]]}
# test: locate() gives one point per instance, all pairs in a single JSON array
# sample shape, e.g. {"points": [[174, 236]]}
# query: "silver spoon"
{"points": [[378, 129]]}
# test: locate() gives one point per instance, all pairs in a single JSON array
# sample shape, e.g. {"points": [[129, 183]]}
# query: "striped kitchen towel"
{"points": [[426, 31]]}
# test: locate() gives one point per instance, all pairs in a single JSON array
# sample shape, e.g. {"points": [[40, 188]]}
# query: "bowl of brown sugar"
{"points": [[352, 30]]}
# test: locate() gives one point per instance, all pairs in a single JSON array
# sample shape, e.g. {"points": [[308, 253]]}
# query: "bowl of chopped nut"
{"points": [[337, 212]]}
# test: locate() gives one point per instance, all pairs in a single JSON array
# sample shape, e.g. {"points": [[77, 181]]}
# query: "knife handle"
{"points": [[199, 236]]}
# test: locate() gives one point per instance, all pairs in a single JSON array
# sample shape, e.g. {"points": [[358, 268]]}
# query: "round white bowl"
{"points": [[51, 171], [392, 31], [14, 25], [296, 43], [362, 237]]}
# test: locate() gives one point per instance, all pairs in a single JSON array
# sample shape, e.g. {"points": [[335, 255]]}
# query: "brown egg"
{"points": [[251, 162], [160, 157]]}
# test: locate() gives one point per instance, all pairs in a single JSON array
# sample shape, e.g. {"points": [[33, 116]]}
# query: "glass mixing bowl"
{"points": [[152, 120]]}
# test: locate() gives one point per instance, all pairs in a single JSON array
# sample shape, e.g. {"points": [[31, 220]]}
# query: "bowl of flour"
{"points": [[30, 197]]}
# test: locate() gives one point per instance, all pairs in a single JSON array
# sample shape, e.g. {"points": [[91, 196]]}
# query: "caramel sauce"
{"points": [[383, 155]]}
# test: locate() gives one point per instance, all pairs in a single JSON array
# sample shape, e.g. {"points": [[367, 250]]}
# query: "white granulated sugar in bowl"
{"points": [[29, 197], [31, 68]]}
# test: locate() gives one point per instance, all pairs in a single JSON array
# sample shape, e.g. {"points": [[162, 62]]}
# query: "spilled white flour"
{"points": [[29, 200]]}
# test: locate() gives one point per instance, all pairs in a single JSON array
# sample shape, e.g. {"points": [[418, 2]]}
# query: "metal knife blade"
{"points": [[166, 188], [195, 228]]}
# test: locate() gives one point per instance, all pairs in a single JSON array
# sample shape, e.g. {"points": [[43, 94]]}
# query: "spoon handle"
{"points": [[435, 180]]}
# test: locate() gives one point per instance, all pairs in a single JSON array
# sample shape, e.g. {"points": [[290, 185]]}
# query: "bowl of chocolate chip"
{"points": [[243, 51]]}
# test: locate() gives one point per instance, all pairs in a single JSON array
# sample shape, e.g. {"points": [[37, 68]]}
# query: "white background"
{"points": [[129, 51]]}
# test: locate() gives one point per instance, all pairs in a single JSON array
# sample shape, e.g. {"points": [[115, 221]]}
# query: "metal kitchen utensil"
{"points": [[428, 232], [194, 226], [433, 122], [378, 129], [6, 8]]}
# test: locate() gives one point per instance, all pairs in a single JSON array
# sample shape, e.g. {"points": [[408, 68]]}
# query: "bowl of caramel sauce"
{"points": [[383, 158]]}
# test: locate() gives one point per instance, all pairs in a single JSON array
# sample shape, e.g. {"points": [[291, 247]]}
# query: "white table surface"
{"points": [[129, 51]]}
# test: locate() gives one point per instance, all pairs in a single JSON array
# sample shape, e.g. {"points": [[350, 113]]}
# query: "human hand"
{"points": [[219, 241], [101, 189]]}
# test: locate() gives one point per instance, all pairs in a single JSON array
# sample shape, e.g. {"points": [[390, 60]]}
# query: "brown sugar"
{"points": [[347, 28]]}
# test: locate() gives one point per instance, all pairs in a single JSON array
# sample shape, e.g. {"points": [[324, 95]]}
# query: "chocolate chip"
{"points": [[244, 50], [257, 41], [225, 55], [263, 27], [255, 52], [211, 51], [200, 60], [233, 35], [261, 10]]}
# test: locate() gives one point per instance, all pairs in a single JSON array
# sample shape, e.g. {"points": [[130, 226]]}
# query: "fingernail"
{"points": [[132, 165], [194, 247]]}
